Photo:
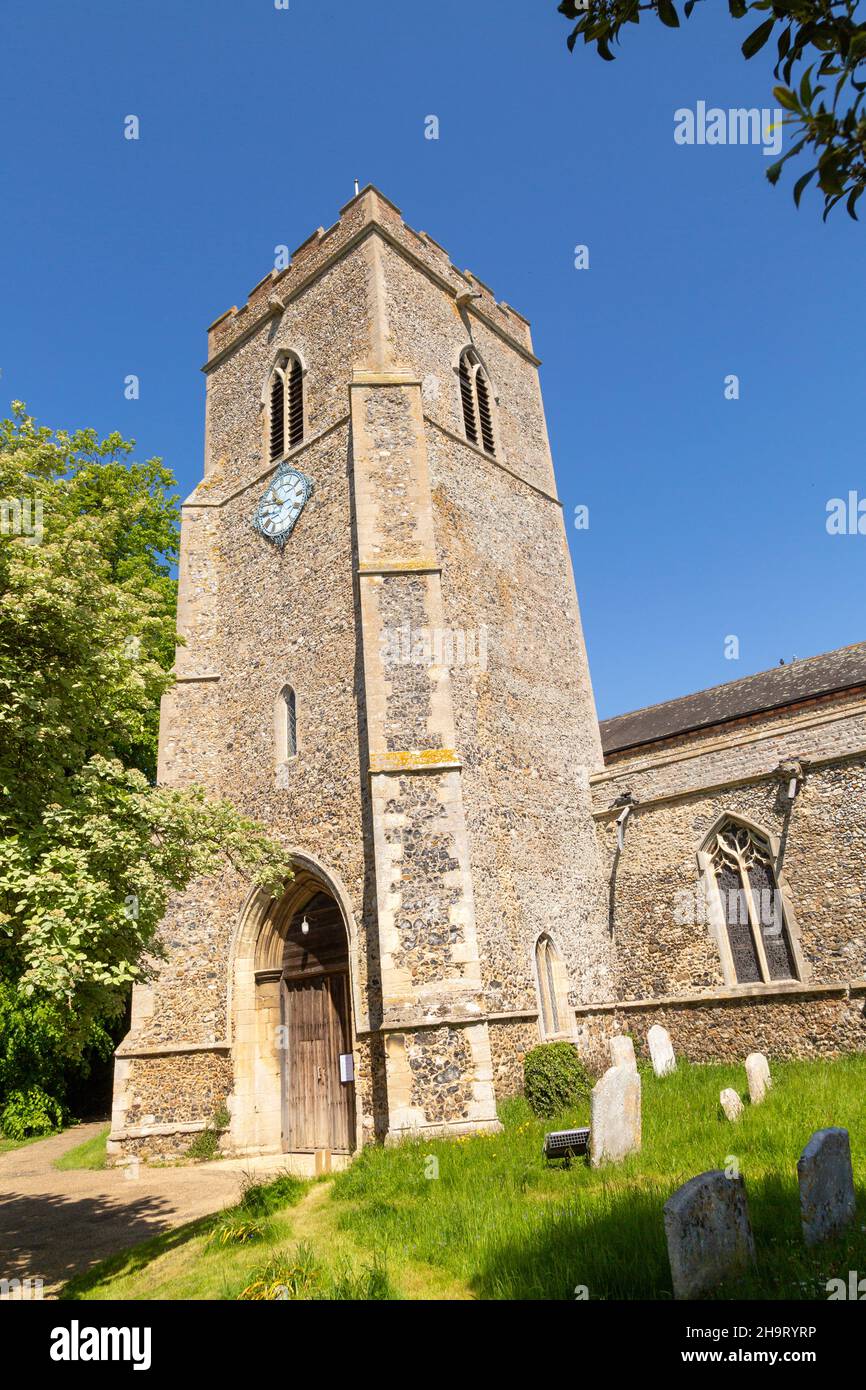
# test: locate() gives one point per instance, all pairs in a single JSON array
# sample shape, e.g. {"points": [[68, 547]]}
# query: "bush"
{"points": [[205, 1147], [27, 1114], [554, 1078]]}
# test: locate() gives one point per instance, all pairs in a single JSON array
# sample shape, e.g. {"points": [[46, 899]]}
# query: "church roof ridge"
{"points": [[825, 674]]}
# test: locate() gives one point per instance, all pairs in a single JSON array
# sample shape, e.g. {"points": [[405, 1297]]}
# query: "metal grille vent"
{"points": [[296, 404], [278, 420]]}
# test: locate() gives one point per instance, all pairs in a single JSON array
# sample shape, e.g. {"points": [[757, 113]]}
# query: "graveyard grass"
{"points": [[499, 1223]]}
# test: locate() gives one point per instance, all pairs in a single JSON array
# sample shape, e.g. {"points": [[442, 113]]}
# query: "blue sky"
{"points": [[707, 516]]}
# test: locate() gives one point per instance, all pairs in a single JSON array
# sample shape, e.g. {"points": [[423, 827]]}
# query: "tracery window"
{"points": [[742, 863]]}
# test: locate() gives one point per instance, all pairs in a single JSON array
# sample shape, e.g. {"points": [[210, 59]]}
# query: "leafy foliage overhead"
{"points": [[90, 847], [821, 65]]}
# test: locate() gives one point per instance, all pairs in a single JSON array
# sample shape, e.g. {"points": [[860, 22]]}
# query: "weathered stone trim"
{"points": [[443, 1130], [193, 501], [370, 228], [202, 676], [400, 567], [415, 760], [742, 994], [711, 788], [171, 1049], [627, 768], [144, 1131], [497, 463], [415, 1025]]}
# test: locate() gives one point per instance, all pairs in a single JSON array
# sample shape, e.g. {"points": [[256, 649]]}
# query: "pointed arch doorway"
{"points": [[294, 1009], [317, 1073]]}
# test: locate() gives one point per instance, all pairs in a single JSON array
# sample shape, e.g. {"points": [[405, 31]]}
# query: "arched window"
{"points": [[475, 398], [286, 725], [552, 989], [740, 862], [285, 406]]}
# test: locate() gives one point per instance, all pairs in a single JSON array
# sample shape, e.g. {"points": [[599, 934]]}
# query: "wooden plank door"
{"points": [[319, 1108]]}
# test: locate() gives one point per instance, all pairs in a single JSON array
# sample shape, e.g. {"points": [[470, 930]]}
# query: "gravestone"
{"points": [[827, 1202], [708, 1233], [622, 1051], [731, 1103], [661, 1050], [758, 1076], [615, 1116]]}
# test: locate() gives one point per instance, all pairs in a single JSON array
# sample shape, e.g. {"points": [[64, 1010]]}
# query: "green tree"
{"points": [[90, 847], [821, 43]]}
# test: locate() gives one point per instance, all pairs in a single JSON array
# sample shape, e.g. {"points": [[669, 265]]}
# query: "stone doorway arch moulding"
{"points": [[253, 1002]]}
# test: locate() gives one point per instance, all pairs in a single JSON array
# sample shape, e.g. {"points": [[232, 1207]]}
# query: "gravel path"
{"points": [[56, 1224]]}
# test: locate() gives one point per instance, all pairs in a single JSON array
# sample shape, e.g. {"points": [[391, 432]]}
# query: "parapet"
{"points": [[369, 208]]}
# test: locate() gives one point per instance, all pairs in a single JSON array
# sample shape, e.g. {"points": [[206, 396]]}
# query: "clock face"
{"points": [[282, 504]]}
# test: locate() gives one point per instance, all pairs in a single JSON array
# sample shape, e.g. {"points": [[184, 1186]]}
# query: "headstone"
{"points": [[622, 1051], [731, 1103], [758, 1076], [614, 1116], [708, 1233], [661, 1050], [827, 1202]]}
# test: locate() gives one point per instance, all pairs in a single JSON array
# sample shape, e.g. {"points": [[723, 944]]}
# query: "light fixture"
{"points": [[305, 927]]}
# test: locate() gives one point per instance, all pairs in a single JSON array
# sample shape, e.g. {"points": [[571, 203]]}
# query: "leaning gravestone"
{"points": [[614, 1116], [758, 1076], [622, 1051], [731, 1103], [827, 1203], [708, 1233], [661, 1050]]}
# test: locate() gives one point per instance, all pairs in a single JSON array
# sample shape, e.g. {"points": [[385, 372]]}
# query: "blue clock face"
{"points": [[282, 504]]}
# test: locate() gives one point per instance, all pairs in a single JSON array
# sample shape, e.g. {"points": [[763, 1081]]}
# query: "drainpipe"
{"points": [[628, 803]]}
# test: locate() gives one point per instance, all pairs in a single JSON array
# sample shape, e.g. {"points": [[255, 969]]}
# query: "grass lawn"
{"points": [[7, 1145], [498, 1223], [90, 1154]]}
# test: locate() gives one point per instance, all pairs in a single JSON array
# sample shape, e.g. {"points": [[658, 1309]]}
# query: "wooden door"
{"points": [[319, 1107]]}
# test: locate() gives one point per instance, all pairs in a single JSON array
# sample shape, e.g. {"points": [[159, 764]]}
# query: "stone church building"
{"points": [[383, 661]]}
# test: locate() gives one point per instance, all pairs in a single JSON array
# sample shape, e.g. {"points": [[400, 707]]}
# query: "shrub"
{"points": [[26, 1114], [205, 1147], [554, 1078], [299, 1275], [261, 1198]]}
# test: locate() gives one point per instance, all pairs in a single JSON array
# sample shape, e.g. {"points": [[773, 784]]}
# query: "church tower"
{"points": [[383, 662]]}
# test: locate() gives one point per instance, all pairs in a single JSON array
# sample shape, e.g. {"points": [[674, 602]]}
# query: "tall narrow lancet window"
{"points": [[475, 399], [742, 864], [552, 989], [286, 407], [286, 725]]}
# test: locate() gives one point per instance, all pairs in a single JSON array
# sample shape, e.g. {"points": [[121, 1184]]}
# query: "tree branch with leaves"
{"points": [[820, 67]]}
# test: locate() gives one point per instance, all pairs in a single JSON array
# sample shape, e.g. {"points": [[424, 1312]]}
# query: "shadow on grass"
{"points": [[618, 1251], [259, 1199], [50, 1236], [137, 1257]]}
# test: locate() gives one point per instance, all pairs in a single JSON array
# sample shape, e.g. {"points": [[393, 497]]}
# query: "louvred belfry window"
{"points": [[286, 407], [475, 401], [754, 914]]}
